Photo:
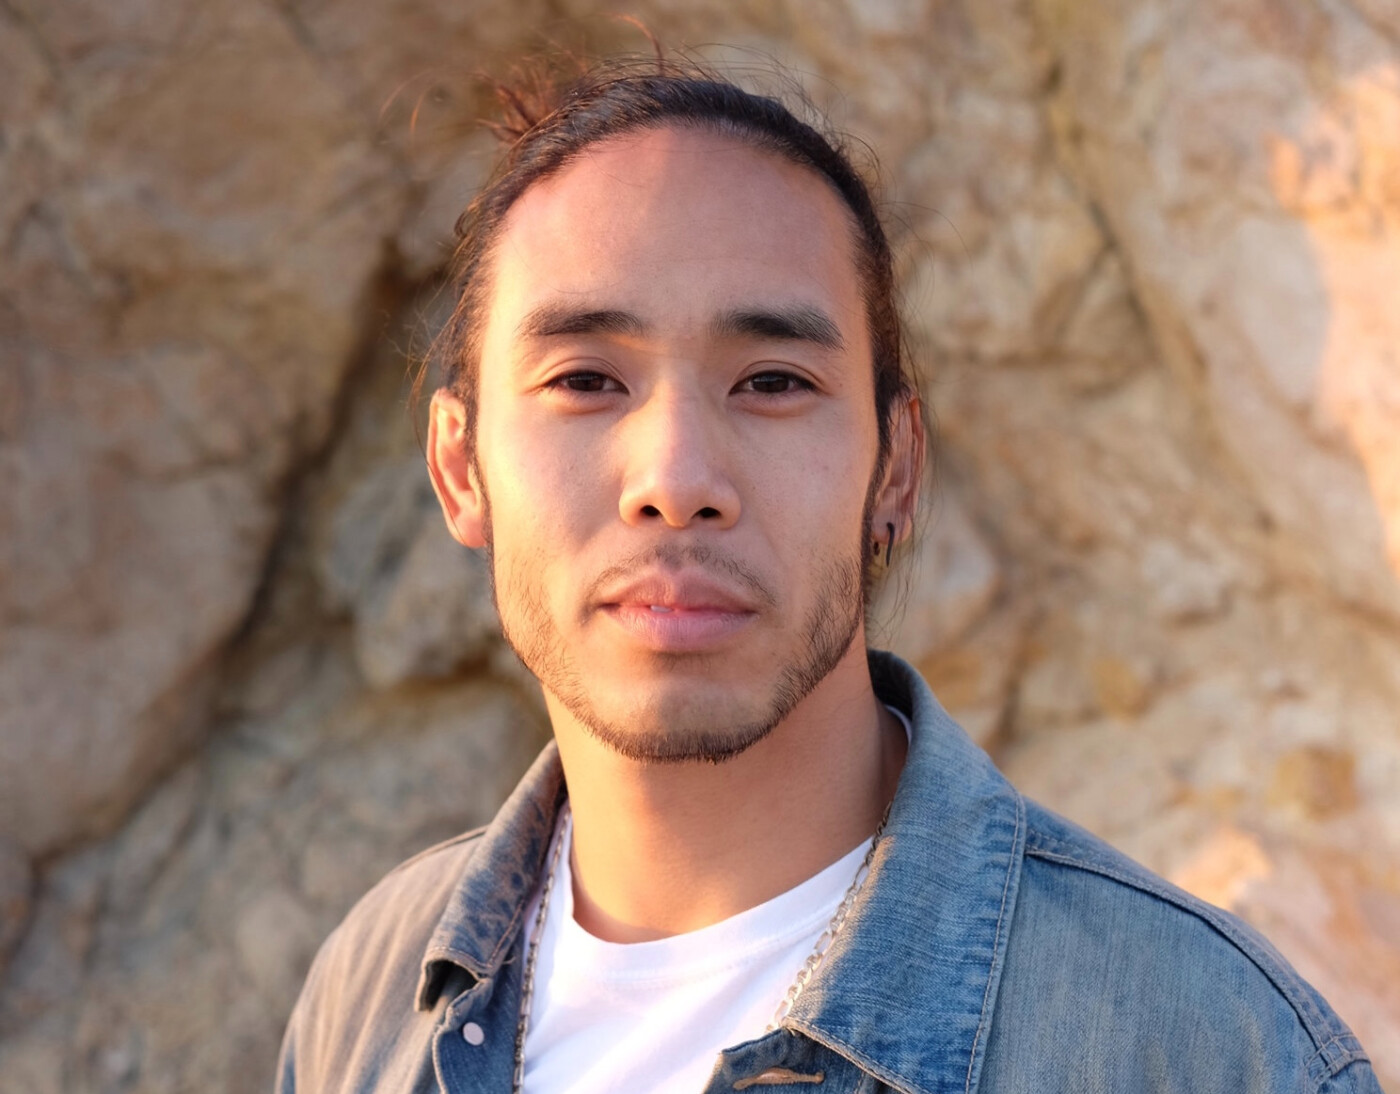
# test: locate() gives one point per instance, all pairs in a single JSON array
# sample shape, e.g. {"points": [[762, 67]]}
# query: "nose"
{"points": [[677, 465]]}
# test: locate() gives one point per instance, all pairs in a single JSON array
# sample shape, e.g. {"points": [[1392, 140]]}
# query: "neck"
{"points": [[660, 849]]}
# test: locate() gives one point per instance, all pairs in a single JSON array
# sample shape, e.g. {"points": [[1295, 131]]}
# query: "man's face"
{"points": [[675, 440]]}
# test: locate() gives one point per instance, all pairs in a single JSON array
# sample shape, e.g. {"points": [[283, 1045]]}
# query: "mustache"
{"points": [[678, 557]]}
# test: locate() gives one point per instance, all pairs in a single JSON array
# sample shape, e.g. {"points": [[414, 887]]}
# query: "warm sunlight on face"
{"points": [[677, 436]]}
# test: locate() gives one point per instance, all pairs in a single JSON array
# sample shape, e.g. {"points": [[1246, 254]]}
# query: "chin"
{"points": [[689, 727]]}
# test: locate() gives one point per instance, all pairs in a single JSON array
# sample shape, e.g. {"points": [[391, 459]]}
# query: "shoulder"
{"points": [[1143, 979], [357, 1011], [395, 920], [417, 890]]}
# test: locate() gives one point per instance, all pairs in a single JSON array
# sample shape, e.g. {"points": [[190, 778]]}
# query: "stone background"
{"points": [[1152, 250]]}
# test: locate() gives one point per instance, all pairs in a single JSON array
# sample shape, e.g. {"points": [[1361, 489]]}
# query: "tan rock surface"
{"points": [[1150, 253], [1258, 208], [194, 224]]}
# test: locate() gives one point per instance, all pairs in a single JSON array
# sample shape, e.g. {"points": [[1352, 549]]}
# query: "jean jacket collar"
{"points": [[929, 928]]}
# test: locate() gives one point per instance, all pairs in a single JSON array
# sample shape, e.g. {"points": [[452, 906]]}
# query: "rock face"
{"points": [[1149, 251], [421, 605], [194, 223], [1256, 208]]}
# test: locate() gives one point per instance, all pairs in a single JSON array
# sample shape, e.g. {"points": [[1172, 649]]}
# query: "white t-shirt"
{"points": [[653, 1016]]}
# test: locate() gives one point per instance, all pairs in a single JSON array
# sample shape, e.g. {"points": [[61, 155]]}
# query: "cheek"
{"points": [[545, 490], [822, 469], [810, 503]]}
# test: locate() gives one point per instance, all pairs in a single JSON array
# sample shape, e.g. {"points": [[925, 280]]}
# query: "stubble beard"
{"points": [[664, 731]]}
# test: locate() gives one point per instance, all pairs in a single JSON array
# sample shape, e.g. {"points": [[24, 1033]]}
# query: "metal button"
{"points": [[473, 1034]]}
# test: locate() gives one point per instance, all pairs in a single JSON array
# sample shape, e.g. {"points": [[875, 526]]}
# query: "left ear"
{"points": [[898, 497], [453, 472]]}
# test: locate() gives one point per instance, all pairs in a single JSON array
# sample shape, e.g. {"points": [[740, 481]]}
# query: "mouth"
{"points": [[679, 613], [675, 629]]}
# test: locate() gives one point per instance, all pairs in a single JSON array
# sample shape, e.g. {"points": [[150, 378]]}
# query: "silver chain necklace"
{"points": [[804, 974]]}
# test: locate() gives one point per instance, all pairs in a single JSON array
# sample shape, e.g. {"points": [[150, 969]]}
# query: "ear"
{"points": [[451, 467], [898, 499]]}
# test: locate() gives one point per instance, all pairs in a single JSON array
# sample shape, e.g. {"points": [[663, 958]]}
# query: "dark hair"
{"points": [[545, 123]]}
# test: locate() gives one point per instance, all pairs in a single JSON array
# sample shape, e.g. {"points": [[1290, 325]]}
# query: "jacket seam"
{"points": [[992, 972], [507, 938], [1335, 1056], [1308, 1014], [497, 958]]}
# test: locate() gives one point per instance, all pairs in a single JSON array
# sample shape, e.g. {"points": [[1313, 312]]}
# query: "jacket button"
{"points": [[473, 1034]]}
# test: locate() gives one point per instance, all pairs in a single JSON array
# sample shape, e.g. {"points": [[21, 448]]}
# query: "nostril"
{"points": [[650, 511], [708, 513]]}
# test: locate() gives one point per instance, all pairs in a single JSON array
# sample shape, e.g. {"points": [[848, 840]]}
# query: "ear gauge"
{"points": [[889, 545]]}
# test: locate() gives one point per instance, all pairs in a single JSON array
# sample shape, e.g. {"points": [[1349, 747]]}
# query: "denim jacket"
{"points": [[995, 947]]}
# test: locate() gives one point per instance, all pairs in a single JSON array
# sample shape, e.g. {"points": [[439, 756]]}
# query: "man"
{"points": [[678, 421]]}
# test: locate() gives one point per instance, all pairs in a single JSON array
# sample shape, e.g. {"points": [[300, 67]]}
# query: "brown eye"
{"points": [[776, 383], [587, 383]]}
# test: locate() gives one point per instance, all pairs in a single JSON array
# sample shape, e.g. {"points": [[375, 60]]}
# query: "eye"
{"points": [[585, 382], [775, 382]]}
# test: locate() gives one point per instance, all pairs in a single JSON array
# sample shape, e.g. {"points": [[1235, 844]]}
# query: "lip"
{"points": [[699, 613]]}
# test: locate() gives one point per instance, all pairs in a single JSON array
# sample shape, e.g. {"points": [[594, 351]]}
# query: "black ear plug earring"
{"points": [[889, 546]]}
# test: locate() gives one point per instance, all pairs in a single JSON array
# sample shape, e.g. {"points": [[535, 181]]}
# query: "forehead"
{"points": [[678, 224]]}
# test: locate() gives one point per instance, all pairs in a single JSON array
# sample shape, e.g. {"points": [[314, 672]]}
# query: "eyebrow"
{"points": [[799, 323], [795, 324], [554, 319]]}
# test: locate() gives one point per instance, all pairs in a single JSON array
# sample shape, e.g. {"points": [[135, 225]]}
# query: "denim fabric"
{"points": [[996, 947]]}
